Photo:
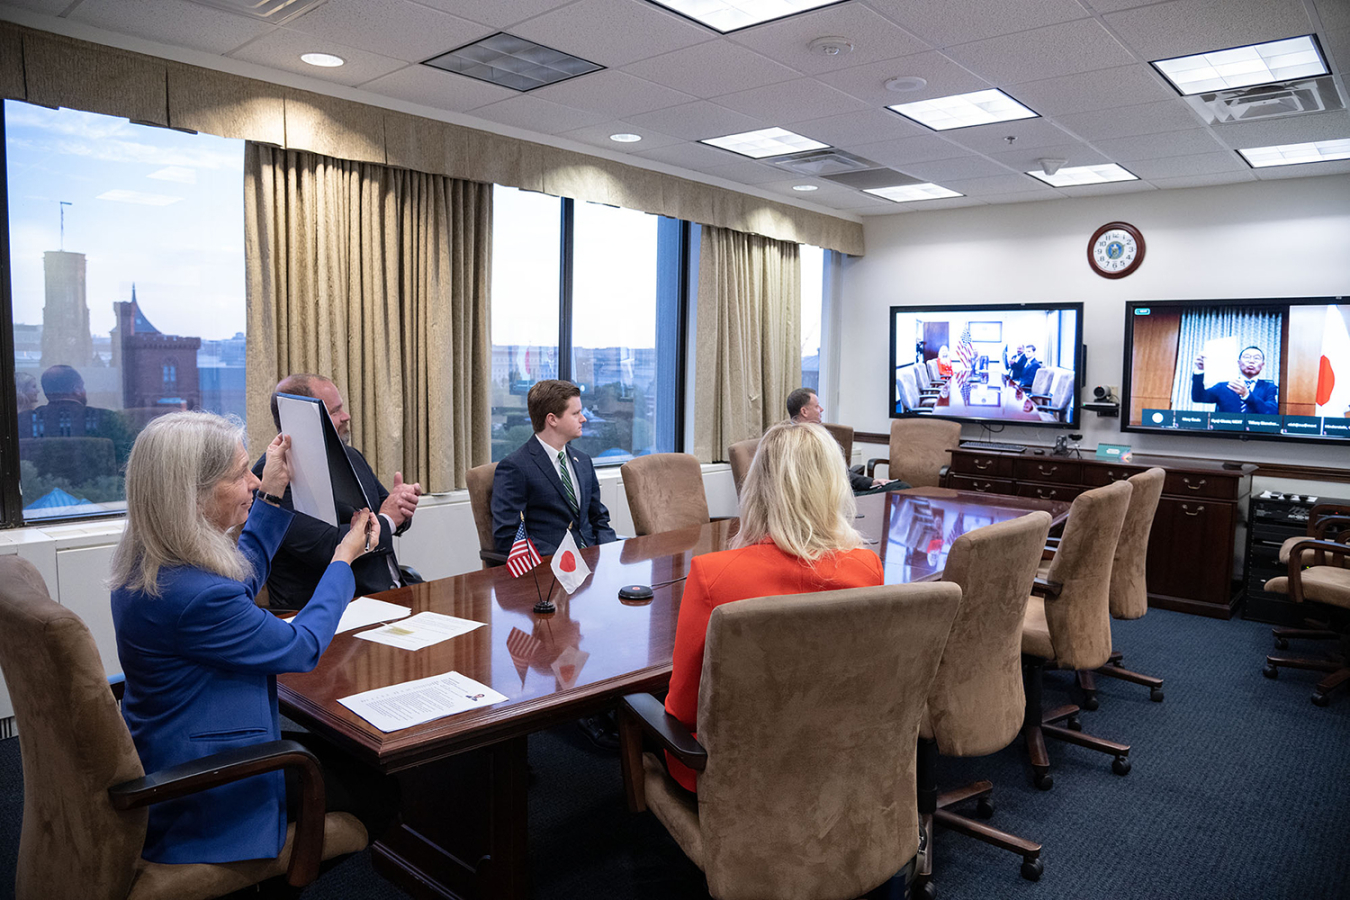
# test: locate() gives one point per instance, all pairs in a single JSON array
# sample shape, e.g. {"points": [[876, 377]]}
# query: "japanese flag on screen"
{"points": [[568, 566], [1333, 369]]}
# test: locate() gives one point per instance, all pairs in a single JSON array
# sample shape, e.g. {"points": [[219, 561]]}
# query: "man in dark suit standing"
{"points": [[553, 484], [310, 542], [1245, 394]]}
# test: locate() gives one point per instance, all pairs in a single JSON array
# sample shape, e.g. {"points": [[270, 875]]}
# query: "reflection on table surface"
{"points": [[995, 399], [552, 667]]}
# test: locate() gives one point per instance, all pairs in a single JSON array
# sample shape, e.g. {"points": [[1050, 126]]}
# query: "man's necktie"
{"points": [[567, 483]]}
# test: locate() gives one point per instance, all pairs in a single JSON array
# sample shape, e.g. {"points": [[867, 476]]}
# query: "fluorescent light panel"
{"points": [[1239, 67], [764, 143], [908, 192], [512, 62], [731, 15], [964, 110], [1085, 175], [1293, 154]]}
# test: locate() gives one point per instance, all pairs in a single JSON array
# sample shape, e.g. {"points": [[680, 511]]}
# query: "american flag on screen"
{"points": [[523, 557], [965, 349]]}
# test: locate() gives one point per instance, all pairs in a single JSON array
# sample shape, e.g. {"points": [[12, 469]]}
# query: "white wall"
{"points": [[1284, 238]]}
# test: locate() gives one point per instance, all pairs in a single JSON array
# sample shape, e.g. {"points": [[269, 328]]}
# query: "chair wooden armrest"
{"points": [[1337, 550], [1324, 523], [492, 558], [1047, 589], [232, 765], [872, 464], [643, 715]]}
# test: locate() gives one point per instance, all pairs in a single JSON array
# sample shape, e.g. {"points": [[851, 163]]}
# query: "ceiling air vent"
{"points": [[822, 162], [274, 12], [1269, 101]]}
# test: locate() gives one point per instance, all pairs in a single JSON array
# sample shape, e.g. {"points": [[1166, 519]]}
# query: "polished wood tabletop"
{"points": [[999, 398], [596, 646]]}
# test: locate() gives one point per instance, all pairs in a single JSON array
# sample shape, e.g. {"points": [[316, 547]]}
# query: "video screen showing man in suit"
{"points": [[1247, 393]]}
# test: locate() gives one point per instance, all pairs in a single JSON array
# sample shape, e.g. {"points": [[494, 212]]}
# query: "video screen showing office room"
{"points": [[987, 364], [1263, 368]]}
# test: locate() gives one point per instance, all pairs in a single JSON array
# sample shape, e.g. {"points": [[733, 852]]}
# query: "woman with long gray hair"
{"points": [[200, 657]]}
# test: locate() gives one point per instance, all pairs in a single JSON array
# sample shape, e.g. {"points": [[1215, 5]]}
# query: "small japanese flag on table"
{"points": [[568, 566]]}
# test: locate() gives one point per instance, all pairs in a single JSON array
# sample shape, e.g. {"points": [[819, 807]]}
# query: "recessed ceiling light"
{"points": [[907, 192], [906, 83], [731, 15], [805, 187], [1244, 66], [1076, 175], [327, 60], [512, 62], [625, 138], [765, 142], [964, 110], [1293, 154]]}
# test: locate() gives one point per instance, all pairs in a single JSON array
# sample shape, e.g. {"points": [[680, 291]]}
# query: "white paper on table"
{"points": [[422, 630], [365, 611], [311, 482], [414, 702], [1220, 361]]}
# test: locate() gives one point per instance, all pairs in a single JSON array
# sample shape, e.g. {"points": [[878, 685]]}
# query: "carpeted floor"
{"points": [[1240, 788]]}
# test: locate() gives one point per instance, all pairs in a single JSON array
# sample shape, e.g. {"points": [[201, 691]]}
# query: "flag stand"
{"points": [[546, 606]]}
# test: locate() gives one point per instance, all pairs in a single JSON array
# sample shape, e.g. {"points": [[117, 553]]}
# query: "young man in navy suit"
{"points": [[553, 484], [1245, 394]]}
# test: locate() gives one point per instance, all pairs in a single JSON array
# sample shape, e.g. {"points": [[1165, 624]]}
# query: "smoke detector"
{"points": [[831, 46]]}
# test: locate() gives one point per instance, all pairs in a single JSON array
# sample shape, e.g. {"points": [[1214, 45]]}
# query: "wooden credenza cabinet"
{"points": [[1191, 547]]}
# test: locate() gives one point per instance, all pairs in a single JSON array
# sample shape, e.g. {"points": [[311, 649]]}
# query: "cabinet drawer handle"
{"points": [[983, 464], [1195, 487], [1046, 494], [1047, 472], [1113, 476], [1186, 508], [983, 486]]}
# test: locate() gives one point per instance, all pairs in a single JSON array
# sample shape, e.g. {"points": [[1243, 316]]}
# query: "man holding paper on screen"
{"points": [[1245, 392]]}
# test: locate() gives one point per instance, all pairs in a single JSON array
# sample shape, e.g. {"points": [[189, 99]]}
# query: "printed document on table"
{"points": [[365, 611], [414, 702], [422, 630]]}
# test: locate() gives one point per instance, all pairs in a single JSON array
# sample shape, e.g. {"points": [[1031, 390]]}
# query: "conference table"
{"points": [[462, 823], [994, 399]]}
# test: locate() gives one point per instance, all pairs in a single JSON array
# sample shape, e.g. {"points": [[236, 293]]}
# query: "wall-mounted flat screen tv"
{"points": [[1004, 364], [1273, 369]]}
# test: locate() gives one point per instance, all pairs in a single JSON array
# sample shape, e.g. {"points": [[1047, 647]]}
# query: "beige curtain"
{"points": [[379, 279], [749, 337]]}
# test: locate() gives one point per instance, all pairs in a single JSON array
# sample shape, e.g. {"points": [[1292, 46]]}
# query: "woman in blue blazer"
{"points": [[200, 658]]}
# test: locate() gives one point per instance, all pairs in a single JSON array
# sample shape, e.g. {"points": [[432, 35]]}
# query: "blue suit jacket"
{"points": [[528, 480], [201, 663], [1028, 374], [1264, 396]]}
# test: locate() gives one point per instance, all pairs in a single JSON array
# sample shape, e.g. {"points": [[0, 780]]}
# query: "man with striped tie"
{"points": [[552, 483]]}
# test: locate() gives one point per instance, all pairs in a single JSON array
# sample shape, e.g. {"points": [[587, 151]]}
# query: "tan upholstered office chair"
{"points": [[1068, 622], [920, 451], [802, 793], [741, 454], [1129, 581], [1319, 573], [84, 808], [1054, 405], [976, 704], [843, 435], [1326, 521], [665, 492], [479, 480], [908, 386]]}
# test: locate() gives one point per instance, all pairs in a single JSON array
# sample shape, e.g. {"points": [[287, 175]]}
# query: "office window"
{"points": [[125, 241], [813, 312]]}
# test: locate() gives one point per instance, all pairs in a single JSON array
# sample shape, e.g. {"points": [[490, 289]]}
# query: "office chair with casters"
{"points": [[802, 794], [1068, 623], [740, 455], [976, 704], [1325, 522], [665, 492], [920, 451], [1319, 573], [479, 481], [1129, 583], [85, 792]]}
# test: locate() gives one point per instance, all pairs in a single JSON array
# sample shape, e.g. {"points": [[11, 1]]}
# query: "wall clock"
{"points": [[1115, 250]]}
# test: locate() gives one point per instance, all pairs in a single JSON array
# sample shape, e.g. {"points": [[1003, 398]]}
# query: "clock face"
{"points": [[1115, 250]]}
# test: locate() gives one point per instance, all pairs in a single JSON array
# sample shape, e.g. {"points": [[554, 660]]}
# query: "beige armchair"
{"points": [[843, 436], [802, 794], [85, 792], [741, 454], [665, 492], [479, 480], [1325, 522], [920, 451], [976, 704]]}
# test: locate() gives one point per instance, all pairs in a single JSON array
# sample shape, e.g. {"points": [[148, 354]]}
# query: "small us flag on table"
{"points": [[523, 557]]}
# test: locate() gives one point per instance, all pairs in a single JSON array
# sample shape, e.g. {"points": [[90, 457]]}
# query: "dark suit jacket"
{"points": [[310, 543], [1028, 376], [528, 480], [1264, 396], [1019, 362]]}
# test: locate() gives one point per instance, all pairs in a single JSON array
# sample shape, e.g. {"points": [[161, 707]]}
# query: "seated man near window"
{"points": [[804, 406]]}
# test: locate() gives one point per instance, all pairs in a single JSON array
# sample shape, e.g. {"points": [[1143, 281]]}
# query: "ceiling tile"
{"points": [[281, 49], [1196, 26], [909, 150], [874, 38], [1196, 164], [1028, 159], [844, 201], [438, 89], [532, 114], [1336, 45], [1157, 146], [1189, 181], [50, 7], [599, 136], [948, 22], [825, 189], [747, 172], [1047, 52], [697, 120], [1335, 14], [1101, 89], [804, 98], [699, 157], [1146, 118], [940, 171], [998, 185], [866, 127], [949, 203], [709, 69], [613, 32], [393, 28], [1103, 190], [1326, 126], [868, 83], [1029, 133], [172, 22], [497, 13], [613, 93]]}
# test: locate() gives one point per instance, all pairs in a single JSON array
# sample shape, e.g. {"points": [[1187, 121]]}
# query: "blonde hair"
{"points": [[797, 494], [175, 464]]}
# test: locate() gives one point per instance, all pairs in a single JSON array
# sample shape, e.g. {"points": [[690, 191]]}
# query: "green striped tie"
{"points": [[567, 483]]}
